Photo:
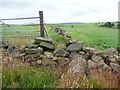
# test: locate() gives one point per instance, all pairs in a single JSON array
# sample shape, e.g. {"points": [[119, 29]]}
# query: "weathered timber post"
{"points": [[41, 24]]}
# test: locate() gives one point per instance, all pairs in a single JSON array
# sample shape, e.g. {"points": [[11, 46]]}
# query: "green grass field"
{"points": [[91, 33]]}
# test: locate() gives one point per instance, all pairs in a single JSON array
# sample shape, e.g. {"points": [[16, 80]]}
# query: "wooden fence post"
{"points": [[41, 24]]}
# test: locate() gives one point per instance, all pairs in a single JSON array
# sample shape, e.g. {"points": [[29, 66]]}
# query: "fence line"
{"points": [[19, 18], [25, 24], [42, 28], [23, 31], [19, 36]]}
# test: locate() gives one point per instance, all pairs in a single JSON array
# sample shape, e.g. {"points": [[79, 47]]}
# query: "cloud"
{"points": [[62, 10], [14, 5]]}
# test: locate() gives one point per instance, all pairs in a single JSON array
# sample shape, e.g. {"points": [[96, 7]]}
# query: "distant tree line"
{"points": [[108, 24], [118, 25], [111, 25]]}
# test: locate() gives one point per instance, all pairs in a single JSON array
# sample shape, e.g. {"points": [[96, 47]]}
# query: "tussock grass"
{"points": [[29, 77], [95, 80], [19, 40]]}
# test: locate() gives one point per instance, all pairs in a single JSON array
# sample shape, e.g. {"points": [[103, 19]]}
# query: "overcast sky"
{"points": [[60, 11]]}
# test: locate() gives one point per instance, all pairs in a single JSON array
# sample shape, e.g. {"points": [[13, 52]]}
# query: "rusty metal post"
{"points": [[41, 24]]}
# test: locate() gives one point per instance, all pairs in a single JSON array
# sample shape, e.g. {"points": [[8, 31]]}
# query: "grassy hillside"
{"points": [[91, 33]]}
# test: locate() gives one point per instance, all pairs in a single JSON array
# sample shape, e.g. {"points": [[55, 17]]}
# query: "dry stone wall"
{"points": [[43, 52]]}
